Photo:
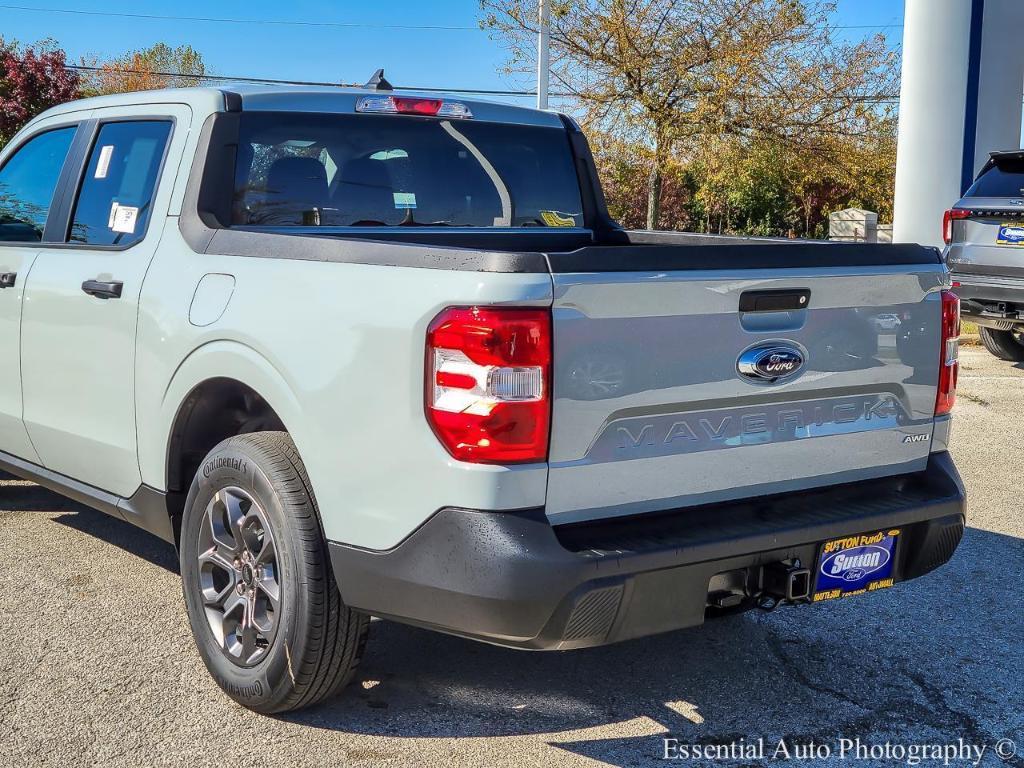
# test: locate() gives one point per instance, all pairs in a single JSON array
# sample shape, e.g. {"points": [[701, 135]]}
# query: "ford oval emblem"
{"points": [[770, 363]]}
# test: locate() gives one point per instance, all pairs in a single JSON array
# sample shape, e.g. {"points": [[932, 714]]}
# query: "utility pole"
{"points": [[543, 54]]}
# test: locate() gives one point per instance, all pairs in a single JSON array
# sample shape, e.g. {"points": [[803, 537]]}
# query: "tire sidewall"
{"points": [[1003, 344], [266, 684]]}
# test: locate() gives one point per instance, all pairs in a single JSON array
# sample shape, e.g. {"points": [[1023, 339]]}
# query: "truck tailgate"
{"points": [[651, 410]]}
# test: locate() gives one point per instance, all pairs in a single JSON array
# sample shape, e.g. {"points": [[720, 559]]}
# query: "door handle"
{"points": [[7, 279], [103, 289], [786, 300]]}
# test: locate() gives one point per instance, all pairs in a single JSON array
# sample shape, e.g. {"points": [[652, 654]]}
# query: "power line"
{"points": [[318, 83], [327, 24], [864, 26], [873, 98], [226, 20]]}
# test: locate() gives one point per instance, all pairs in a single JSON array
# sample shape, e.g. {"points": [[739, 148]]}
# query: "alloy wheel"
{"points": [[239, 576]]}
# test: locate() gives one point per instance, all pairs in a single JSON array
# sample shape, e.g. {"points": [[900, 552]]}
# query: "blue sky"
{"points": [[429, 57]]}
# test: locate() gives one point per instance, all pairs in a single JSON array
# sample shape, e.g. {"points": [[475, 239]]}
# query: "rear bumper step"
{"points": [[511, 578]]}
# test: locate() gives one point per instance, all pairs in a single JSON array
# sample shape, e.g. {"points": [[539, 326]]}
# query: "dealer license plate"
{"points": [[855, 564], [1010, 234]]}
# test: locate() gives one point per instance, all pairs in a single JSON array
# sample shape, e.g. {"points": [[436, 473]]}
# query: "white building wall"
{"points": [[936, 41]]}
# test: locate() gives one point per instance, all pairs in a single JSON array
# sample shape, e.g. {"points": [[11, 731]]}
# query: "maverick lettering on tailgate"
{"points": [[677, 433]]}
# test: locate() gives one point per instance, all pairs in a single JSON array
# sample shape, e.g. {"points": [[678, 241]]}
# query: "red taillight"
{"points": [[949, 360], [488, 383], [406, 106], [953, 214]]}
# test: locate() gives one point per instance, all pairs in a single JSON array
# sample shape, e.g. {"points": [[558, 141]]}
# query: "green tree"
{"points": [[674, 74], [158, 66], [734, 185]]}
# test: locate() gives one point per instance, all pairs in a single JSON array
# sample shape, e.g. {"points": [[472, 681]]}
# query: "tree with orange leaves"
{"points": [[159, 66]]}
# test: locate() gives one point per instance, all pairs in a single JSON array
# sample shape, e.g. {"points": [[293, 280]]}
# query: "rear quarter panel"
{"points": [[338, 351]]}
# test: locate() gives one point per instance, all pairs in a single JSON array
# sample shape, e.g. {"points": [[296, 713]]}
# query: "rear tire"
{"points": [[265, 610], [1005, 345]]}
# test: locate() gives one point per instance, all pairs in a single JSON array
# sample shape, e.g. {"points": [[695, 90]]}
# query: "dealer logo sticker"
{"points": [[855, 564]]}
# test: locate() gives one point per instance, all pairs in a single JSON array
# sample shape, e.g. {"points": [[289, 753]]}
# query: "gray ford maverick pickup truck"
{"points": [[363, 353]]}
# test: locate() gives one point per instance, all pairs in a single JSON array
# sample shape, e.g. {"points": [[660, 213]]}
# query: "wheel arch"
{"points": [[221, 390]]}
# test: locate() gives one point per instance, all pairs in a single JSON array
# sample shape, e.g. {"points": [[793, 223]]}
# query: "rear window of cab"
{"points": [[362, 170]]}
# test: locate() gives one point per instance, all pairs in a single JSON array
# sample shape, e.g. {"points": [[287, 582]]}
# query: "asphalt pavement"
{"points": [[97, 665]]}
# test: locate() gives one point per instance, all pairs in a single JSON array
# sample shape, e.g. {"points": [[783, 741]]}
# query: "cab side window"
{"points": [[116, 196], [27, 182]]}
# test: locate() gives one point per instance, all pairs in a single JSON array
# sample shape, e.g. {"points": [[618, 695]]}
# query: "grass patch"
{"points": [[969, 334], [973, 398]]}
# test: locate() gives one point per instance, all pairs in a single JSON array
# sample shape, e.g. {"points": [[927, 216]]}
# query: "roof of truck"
{"points": [[298, 98]]}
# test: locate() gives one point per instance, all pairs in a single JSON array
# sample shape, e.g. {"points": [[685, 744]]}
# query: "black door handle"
{"points": [[7, 279], [102, 289], [786, 300]]}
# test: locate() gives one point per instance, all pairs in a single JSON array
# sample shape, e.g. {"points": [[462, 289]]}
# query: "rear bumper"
{"points": [[511, 578], [990, 298]]}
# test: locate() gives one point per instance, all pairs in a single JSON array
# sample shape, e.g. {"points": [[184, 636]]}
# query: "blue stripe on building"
{"points": [[973, 87]]}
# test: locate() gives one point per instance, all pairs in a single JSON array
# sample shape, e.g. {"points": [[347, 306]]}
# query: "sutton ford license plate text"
{"points": [[855, 564]]}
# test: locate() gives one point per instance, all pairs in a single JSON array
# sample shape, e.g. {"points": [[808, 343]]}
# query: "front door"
{"points": [[29, 177], [81, 308]]}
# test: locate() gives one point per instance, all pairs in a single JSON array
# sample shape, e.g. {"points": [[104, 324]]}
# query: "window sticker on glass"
{"points": [[103, 164], [405, 200], [124, 219], [557, 219]]}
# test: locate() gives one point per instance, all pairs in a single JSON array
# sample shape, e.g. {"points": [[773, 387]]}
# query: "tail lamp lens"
{"points": [[949, 362], [953, 214], [488, 383]]}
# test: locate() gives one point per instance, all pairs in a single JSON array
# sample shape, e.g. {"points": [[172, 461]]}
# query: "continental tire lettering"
{"points": [[255, 689], [237, 464]]}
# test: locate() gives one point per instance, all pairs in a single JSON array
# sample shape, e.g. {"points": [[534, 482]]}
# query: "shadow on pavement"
{"points": [[123, 535], [33, 498]]}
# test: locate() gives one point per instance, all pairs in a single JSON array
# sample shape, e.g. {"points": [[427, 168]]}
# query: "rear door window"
{"points": [[388, 171], [27, 182], [1006, 179], [116, 197]]}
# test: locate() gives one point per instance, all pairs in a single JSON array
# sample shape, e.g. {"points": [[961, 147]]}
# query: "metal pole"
{"points": [[543, 55]]}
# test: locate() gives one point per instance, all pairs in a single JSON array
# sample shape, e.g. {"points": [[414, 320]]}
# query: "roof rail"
{"points": [[378, 82]]}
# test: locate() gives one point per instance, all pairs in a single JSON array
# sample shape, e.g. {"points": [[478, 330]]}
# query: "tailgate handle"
{"points": [[775, 301]]}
